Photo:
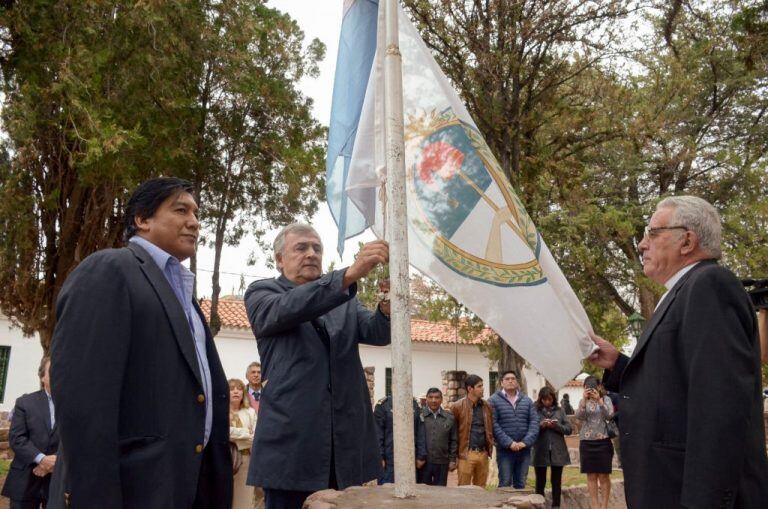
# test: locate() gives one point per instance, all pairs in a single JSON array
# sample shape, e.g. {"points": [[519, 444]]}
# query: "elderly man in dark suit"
{"points": [[34, 440], [141, 397], [316, 426], [691, 409]]}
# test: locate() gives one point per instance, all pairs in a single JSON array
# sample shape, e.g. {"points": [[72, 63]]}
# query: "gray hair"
{"points": [[279, 244], [699, 216]]}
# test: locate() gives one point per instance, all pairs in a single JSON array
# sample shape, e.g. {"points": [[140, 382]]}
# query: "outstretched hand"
{"points": [[606, 354], [369, 256]]}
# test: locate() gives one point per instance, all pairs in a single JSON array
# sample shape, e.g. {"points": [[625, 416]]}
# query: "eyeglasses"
{"points": [[507, 379], [654, 232]]}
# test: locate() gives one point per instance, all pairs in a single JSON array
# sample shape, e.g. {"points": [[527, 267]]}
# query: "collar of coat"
{"points": [[426, 412]]}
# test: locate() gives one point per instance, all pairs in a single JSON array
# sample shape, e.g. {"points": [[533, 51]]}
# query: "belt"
{"points": [[477, 449]]}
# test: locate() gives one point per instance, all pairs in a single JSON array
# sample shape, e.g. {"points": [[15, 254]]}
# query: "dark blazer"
{"points": [[30, 435], [692, 430], [128, 391], [314, 395]]}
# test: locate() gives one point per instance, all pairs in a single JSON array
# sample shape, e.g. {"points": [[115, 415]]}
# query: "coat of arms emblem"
{"points": [[457, 191]]}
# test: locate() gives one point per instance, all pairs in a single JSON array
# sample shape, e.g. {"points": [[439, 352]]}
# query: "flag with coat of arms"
{"points": [[467, 229]]}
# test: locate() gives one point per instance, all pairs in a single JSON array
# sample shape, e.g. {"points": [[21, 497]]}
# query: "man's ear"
{"points": [[142, 224], [279, 262], [690, 243]]}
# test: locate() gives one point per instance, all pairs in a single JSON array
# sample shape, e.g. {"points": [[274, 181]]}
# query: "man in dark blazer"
{"points": [[141, 397], [34, 439], [315, 426], [692, 430]]}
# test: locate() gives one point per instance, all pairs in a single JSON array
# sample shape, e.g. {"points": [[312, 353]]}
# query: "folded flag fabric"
{"points": [[467, 229]]}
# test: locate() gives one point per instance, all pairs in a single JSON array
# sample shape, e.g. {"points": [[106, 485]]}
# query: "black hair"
{"points": [[546, 392], [472, 381], [434, 390], [148, 197], [505, 373]]}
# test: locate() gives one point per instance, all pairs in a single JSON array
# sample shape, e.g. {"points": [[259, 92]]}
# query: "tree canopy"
{"points": [[596, 110], [100, 95]]}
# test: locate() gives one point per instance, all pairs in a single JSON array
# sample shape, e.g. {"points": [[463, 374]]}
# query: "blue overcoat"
{"points": [[314, 395]]}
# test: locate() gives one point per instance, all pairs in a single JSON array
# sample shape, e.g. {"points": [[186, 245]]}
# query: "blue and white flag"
{"points": [[467, 229]]}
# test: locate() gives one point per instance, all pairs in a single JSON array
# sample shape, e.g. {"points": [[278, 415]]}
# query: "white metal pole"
{"points": [[402, 391]]}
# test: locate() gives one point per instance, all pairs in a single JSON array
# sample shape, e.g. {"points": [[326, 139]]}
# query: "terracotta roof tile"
{"points": [[233, 316]]}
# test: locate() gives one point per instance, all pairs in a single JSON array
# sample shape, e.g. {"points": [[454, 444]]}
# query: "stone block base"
{"points": [[434, 497]]}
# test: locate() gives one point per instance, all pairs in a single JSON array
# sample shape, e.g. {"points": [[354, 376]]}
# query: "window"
{"points": [[493, 380], [388, 382], [5, 357]]}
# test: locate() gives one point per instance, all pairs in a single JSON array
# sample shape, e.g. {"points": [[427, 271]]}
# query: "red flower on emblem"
{"points": [[441, 159]]}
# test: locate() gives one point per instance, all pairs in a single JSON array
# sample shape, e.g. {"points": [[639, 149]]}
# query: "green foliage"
{"points": [[94, 101], [259, 151], [99, 96], [597, 110], [368, 287]]}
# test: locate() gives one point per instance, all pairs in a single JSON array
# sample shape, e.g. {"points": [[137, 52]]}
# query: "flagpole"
{"points": [[402, 390]]}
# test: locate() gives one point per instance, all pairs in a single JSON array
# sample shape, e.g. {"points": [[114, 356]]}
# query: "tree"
{"points": [[93, 102], [260, 152], [102, 95], [515, 65], [592, 143]]}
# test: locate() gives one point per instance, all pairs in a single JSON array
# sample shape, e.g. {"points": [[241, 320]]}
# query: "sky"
{"points": [[318, 19]]}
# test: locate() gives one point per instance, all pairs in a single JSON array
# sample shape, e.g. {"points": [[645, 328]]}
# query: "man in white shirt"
{"points": [[692, 430]]}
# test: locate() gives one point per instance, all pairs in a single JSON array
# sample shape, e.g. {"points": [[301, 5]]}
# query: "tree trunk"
{"points": [[215, 286], [511, 360]]}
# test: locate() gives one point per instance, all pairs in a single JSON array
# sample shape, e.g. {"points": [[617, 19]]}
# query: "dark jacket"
{"points": [[440, 436], [519, 423], [313, 396], [462, 412], [127, 388], [550, 449], [30, 434], [382, 414], [691, 406]]}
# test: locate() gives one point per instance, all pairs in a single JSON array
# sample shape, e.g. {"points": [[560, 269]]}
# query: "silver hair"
{"points": [[279, 244], [699, 216]]}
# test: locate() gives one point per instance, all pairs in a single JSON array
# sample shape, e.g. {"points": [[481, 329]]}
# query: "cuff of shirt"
{"points": [[39, 457]]}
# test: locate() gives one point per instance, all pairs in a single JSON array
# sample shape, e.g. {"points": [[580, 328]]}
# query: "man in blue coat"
{"points": [[316, 427], [515, 429]]}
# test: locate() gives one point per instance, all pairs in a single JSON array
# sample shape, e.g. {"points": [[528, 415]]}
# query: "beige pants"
{"points": [[242, 495], [474, 469]]}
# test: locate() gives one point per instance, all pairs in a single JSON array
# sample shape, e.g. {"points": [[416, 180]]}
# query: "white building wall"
{"points": [[429, 361], [23, 363], [237, 349]]}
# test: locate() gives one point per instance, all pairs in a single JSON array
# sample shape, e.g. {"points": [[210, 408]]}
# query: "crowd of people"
{"points": [[135, 411]]}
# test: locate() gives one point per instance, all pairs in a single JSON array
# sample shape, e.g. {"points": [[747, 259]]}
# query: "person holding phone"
{"points": [[595, 447], [550, 449]]}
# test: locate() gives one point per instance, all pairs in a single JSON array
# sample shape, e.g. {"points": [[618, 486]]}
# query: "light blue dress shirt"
{"points": [[182, 281], [40, 455]]}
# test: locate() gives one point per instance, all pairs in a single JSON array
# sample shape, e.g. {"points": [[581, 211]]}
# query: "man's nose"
{"points": [[643, 245]]}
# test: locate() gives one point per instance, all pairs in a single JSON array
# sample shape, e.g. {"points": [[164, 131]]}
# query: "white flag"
{"points": [[467, 229]]}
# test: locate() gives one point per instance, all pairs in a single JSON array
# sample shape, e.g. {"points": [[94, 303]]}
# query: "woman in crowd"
{"points": [[595, 447], [550, 449], [242, 423]]}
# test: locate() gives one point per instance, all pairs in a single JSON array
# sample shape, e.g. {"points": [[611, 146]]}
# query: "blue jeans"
{"points": [[513, 467]]}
